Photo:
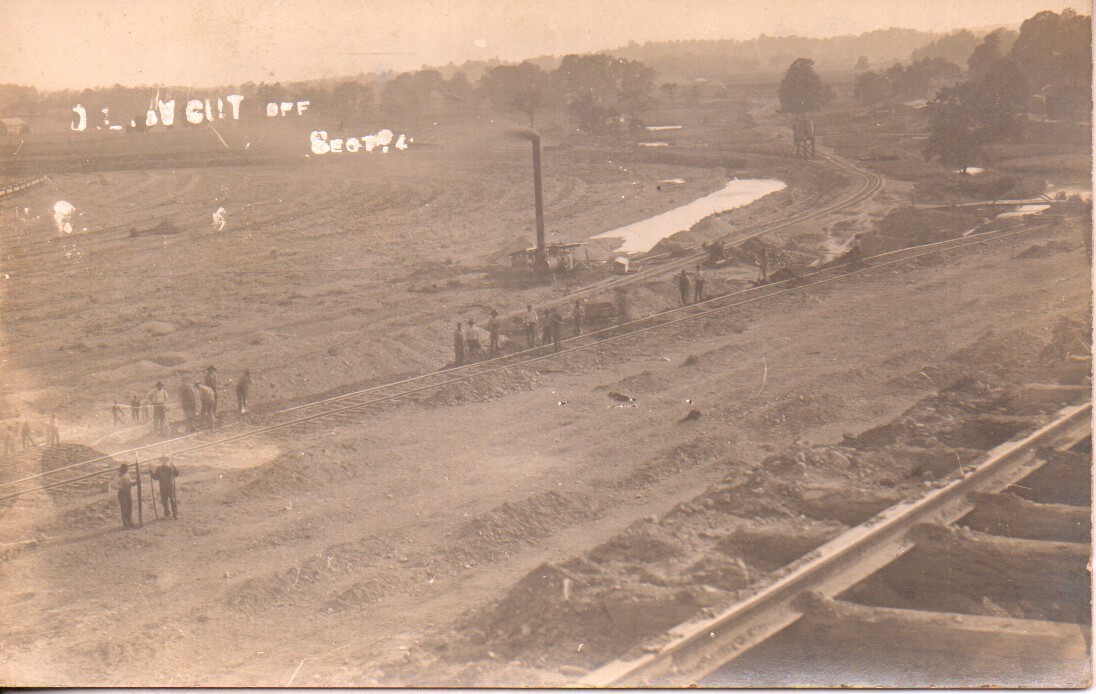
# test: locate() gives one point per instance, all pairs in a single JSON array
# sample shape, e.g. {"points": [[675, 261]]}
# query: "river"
{"points": [[642, 236]]}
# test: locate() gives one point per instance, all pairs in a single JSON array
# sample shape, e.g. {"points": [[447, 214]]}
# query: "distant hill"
{"points": [[711, 58], [955, 47]]}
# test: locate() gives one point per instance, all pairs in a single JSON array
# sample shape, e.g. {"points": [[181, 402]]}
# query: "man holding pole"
{"points": [[165, 474], [683, 286]]}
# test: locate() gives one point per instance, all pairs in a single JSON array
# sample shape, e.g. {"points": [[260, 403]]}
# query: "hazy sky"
{"points": [[54, 44]]}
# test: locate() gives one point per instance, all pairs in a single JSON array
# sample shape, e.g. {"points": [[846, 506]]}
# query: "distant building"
{"points": [[704, 89], [14, 126]]}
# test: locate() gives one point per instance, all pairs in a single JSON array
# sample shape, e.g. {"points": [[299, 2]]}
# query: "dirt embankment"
{"points": [[750, 528], [337, 559], [415, 514]]}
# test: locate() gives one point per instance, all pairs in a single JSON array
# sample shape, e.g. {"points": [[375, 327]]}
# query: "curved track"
{"points": [[867, 184], [302, 419]]}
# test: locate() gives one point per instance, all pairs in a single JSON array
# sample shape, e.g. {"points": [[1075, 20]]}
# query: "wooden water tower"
{"points": [[803, 137]]}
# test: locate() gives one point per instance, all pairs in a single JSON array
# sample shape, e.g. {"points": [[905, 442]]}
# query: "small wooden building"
{"points": [[12, 125]]}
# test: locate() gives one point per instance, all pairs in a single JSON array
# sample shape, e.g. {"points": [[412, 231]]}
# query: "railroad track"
{"points": [[302, 421], [981, 582], [869, 183], [14, 188]]}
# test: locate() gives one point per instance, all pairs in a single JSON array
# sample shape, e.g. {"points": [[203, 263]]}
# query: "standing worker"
{"points": [[577, 314], [242, 386], [165, 473], [135, 408], [208, 416], [856, 252], [546, 333], [472, 340], [9, 441], [53, 432], [698, 286], [188, 400], [530, 320], [28, 438], [556, 325], [493, 326], [210, 380], [158, 398], [683, 286], [458, 346], [125, 497], [117, 413]]}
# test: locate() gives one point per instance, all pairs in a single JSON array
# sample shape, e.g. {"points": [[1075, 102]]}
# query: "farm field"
{"points": [[396, 247]]}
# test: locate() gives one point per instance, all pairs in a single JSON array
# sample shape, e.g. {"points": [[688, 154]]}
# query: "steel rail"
{"points": [[21, 186], [698, 648], [844, 271], [868, 188], [595, 339]]}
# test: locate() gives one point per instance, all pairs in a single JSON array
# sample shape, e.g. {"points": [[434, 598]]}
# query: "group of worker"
{"points": [[552, 328], [164, 474], [468, 340], [21, 428], [198, 401], [685, 283]]}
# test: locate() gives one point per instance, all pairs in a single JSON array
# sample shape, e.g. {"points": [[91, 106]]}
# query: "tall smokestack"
{"points": [[540, 260], [540, 263]]}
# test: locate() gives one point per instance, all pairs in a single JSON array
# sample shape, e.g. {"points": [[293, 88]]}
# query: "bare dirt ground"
{"points": [[371, 543], [405, 549]]}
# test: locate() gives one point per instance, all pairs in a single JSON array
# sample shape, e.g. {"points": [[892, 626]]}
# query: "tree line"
{"points": [[598, 92], [1046, 67]]}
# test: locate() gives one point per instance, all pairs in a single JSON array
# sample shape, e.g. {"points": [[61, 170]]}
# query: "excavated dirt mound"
{"points": [[1070, 337], [770, 546], [752, 250], [262, 593], [641, 543], [480, 388], [300, 470], [515, 525], [908, 226], [746, 530], [1044, 250]]}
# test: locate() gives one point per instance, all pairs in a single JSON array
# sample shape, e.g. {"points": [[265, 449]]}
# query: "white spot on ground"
{"points": [[62, 216]]}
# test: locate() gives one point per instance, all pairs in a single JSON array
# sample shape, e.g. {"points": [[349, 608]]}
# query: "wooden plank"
{"points": [[1008, 515], [695, 649]]}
